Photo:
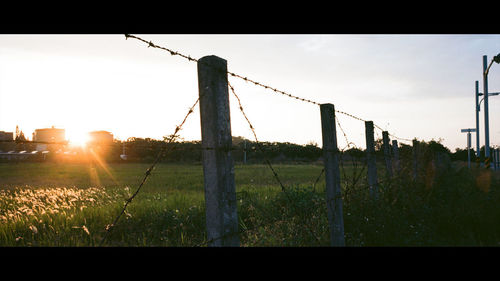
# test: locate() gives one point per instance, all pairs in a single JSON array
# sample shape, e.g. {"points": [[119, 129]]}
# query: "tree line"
{"points": [[146, 149]]}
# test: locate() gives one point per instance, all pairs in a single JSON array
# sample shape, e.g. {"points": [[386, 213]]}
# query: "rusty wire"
{"points": [[175, 53], [257, 142], [252, 128], [160, 155]]}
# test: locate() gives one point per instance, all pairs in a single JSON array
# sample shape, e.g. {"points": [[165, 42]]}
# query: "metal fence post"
{"points": [[371, 160], [332, 175], [218, 166]]}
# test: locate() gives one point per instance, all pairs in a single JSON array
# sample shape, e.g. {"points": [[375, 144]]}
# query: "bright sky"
{"points": [[411, 85]]}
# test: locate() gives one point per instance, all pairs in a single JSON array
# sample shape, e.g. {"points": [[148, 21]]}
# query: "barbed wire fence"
{"points": [[351, 182], [163, 153]]}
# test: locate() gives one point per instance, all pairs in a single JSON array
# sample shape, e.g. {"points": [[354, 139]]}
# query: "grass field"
{"points": [[50, 204]]}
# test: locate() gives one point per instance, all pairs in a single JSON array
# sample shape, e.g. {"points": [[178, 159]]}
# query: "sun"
{"points": [[77, 138]]}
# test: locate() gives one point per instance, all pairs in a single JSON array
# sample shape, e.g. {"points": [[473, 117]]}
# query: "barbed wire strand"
{"points": [[283, 189], [355, 177], [257, 142], [148, 171], [176, 53]]}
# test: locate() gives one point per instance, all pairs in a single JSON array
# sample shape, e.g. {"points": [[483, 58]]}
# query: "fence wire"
{"points": [[350, 182], [160, 155], [245, 78], [355, 175], [283, 189]]}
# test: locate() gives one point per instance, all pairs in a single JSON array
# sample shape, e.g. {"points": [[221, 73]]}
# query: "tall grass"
{"points": [[61, 206]]}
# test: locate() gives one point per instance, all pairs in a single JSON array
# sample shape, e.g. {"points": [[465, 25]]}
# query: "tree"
{"points": [[19, 135]]}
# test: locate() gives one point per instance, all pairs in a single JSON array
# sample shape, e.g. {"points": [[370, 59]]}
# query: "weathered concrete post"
{"points": [[371, 160], [493, 159], [332, 175], [415, 159], [498, 158], [245, 151], [218, 167], [395, 155], [387, 153]]}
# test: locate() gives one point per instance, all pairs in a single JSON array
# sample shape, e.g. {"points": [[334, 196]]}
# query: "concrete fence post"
{"points": [[332, 175], [218, 166], [495, 158], [498, 158], [387, 154], [415, 159], [371, 161], [395, 154]]}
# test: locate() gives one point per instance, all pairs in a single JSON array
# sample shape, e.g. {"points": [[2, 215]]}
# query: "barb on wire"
{"points": [[283, 189], [355, 176], [391, 135], [175, 53], [151, 44], [257, 142], [317, 179], [271, 88], [350, 115], [160, 155], [399, 138]]}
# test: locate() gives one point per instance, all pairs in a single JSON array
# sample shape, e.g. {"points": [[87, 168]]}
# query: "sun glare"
{"points": [[76, 138]]}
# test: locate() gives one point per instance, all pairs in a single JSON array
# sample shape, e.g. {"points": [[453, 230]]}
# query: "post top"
{"points": [[327, 105], [212, 62], [212, 58]]}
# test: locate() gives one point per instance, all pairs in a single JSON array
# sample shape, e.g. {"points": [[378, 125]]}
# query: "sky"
{"points": [[412, 85]]}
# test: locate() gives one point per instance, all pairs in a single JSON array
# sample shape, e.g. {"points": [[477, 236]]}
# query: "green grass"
{"points": [[48, 204], [169, 210]]}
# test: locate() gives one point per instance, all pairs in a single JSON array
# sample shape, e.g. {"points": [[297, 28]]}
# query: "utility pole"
{"points": [[486, 113], [468, 131], [478, 107]]}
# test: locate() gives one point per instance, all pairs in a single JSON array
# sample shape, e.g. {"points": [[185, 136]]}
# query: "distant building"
{"points": [[7, 141], [49, 135], [100, 145], [6, 136], [100, 137]]}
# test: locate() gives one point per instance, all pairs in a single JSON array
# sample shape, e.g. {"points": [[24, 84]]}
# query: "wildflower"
{"points": [[127, 214], [86, 230], [34, 229]]}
